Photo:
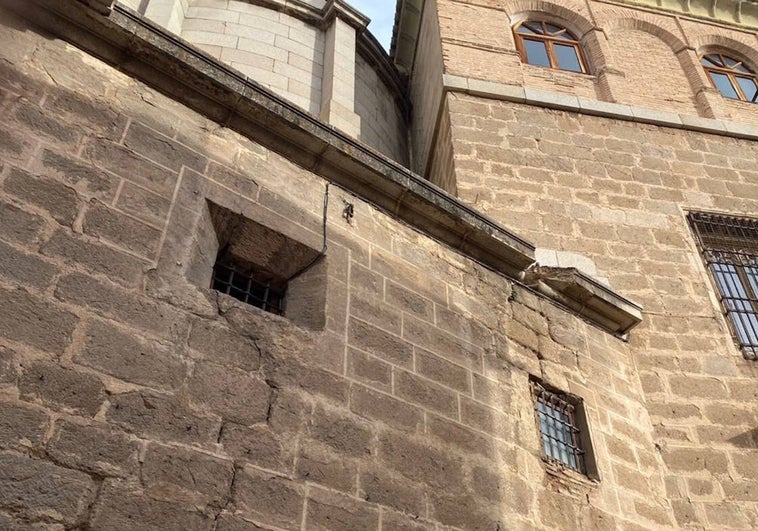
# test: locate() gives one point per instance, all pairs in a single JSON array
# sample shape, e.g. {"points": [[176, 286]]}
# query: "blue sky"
{"points": [[382, 15]]}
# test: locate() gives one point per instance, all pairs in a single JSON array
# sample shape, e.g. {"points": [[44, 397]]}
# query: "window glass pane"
{"points": [[748, 86], [708, 60], [728, 61], [567, 57], [724, 85], [523, 28], [536, 53], [741, 68], [551, 29]]}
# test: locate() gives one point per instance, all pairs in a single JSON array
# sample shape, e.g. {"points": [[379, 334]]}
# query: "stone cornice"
{"points": [[742, 12], [566, 102]]}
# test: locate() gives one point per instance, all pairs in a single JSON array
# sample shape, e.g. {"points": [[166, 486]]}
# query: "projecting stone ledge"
{"points": [[743, 12], [586, 296]]}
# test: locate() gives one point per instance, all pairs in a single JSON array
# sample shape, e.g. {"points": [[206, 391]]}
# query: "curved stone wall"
{"points": [[316, 54]]}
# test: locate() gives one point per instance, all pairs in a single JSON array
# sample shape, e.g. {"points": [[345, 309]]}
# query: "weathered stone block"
{"points": [[119, 508], [257, 445], [143, 204], [127, 164], [21, 427], [88, 113], [45, 124], [347, 435], [390, 490], [161, 416], [269, 498], [161, 149], [86, 179], [369, 369], [334, 512], [421, 462], [380, 343], [232, 394], [127, 307], [96, 449], [233, 523], [426, 393], [62, 388], [103, 222], [463, 439], [58, 199], [25, 269], [19, 226], [175, 473], [36, 488], [222, 345], [323, 467], [442, 371], [378, 406], [130, 357], [95, 257]]}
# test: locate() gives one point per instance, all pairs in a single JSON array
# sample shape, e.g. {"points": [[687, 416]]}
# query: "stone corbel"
{"points": [[587, 297]]}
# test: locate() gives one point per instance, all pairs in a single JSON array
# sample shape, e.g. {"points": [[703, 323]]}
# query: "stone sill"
{"points": [[587, 297], [566, 102]]}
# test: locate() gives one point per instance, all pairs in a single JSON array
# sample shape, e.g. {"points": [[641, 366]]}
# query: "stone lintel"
{"points": [[586, 296]]}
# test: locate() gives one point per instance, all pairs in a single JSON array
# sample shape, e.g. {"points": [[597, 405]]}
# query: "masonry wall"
{"points": [[618, 192], [275, 49], [132, 398], [383, 124]]}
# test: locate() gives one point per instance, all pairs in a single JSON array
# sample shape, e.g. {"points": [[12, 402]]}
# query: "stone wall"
{"points": [[618, 192], [133, 397]]}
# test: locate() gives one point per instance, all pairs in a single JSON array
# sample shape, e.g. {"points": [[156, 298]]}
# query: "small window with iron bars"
{"points": [[249, 283], [557, 419], [730, 248]]}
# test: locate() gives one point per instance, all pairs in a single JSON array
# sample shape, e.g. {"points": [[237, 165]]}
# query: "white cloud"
{"points": [[382, 15]]}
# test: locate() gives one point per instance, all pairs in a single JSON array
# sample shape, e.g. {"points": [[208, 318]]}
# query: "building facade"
{"points": [[257, 274]]}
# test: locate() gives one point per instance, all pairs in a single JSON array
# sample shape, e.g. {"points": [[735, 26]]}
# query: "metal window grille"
{"points": [[730, 249], [249, 284], [560, 435]]}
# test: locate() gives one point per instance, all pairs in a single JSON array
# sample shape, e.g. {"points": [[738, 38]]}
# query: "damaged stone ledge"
{"points": [[142, 49], [586, 296], [566, 102]]}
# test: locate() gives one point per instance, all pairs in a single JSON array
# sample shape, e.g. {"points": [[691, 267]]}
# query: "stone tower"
{"points": [[256, 273]]}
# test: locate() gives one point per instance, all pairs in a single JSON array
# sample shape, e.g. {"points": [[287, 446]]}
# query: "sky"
{"points": [[382, 15]]}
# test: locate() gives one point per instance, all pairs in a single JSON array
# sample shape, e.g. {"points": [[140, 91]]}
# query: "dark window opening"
{"points": [[249, 283], [543, 44], [730, 248], [560, 434], [264, 261]]}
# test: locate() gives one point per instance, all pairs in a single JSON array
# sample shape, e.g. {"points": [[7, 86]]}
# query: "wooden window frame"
{"points": [[731, 75], [550, 42]]}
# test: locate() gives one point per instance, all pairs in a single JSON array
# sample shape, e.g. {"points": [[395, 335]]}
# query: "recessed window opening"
{"points": [[262, 260], [731, 77], [561, 437], [541, 43], [730, 248], [249, 283]]}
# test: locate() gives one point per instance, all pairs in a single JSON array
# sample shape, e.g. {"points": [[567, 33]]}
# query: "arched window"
{"points": [[544, 44], [731, 77]]}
